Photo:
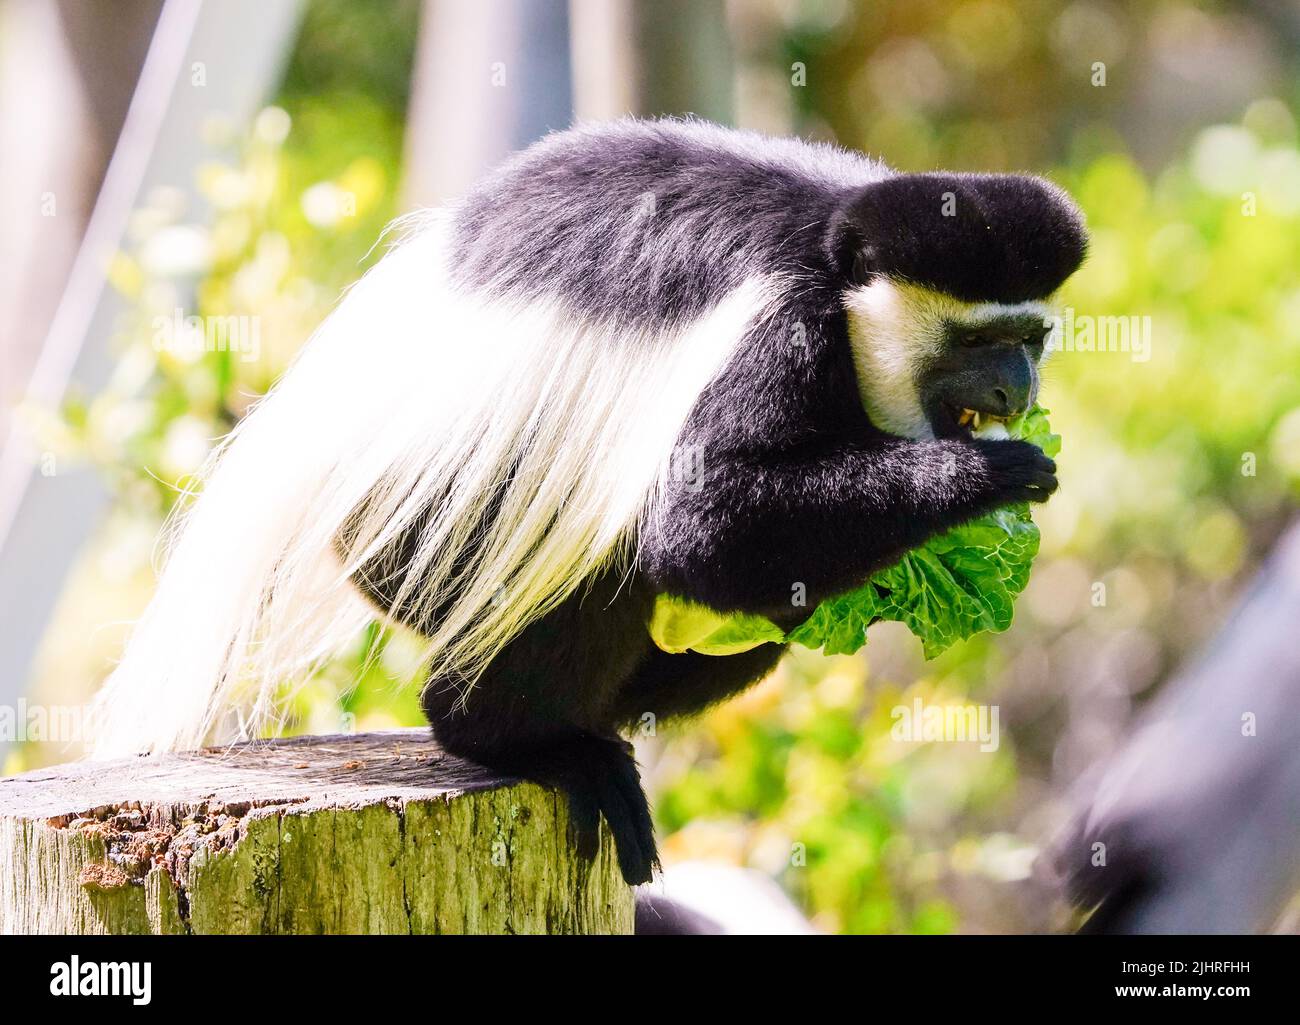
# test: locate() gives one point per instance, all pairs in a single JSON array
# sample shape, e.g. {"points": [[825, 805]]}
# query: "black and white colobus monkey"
{"points": [[482, 438]]}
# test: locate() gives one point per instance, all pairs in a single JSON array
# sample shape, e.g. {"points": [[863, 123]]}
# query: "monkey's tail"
{"points": [[519, 443]]}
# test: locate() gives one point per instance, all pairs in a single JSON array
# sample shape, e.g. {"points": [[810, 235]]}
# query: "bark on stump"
{"points": [[366, 833]]}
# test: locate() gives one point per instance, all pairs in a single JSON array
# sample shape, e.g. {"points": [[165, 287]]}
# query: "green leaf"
{"points": [[956, 585], [678, 625], [839, 625]]}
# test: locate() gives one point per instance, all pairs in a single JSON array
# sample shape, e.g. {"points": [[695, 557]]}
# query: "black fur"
{"points": [[799, 487], [1001, 237]]}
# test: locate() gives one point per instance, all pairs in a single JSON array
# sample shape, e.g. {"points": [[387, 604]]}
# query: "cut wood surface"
{"points": [[364, 833]]}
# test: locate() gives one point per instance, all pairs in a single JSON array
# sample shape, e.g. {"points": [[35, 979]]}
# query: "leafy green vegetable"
{"points": [[950, 588], [679, 625]]}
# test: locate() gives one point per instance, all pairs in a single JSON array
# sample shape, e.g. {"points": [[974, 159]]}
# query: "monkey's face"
{"points": [[932, 365], [947, 278]]}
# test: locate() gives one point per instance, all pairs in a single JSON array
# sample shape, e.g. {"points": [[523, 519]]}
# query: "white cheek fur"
{"points": [[890, 343]]}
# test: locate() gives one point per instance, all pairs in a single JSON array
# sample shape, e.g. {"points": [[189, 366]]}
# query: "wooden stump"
{"points": [[366, 833]]}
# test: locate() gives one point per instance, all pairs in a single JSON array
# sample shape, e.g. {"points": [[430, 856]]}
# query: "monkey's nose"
{"points": [[1007, 398]]}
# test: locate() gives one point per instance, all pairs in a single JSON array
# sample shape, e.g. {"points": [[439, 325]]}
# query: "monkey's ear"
{"points": [[853, 258]]}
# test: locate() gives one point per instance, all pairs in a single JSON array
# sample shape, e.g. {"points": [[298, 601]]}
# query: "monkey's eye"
{"points": [[863, 266]]}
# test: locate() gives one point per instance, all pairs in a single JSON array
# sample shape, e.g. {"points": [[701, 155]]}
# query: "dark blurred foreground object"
{"points": [[1193, 826], [657, 915], [363, 833], [703, 898]]}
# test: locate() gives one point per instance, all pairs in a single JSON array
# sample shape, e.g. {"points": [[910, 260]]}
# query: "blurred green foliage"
{"points": [[1177, 471]]}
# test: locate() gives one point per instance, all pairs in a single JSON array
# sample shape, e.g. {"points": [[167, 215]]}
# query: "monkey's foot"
{"points": [[599, 776]]}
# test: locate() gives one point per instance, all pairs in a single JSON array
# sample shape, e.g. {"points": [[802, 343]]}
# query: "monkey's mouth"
{"points": [[970, 422], [974, 419]]}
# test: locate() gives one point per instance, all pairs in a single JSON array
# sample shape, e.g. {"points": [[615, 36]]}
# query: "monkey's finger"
{"points": [[1041, 487]]}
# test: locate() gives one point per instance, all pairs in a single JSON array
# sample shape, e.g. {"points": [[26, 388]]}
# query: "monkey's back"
{"points": [[650, 221]]}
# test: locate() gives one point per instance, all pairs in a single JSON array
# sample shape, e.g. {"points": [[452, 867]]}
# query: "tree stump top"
{"points": [[374, 832], [307, 773]]}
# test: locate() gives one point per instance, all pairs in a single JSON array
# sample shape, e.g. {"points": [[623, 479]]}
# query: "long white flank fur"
{"points": [[410, 396]]}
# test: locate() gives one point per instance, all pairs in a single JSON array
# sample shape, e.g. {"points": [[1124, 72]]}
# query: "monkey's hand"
{"points": [[826, 519], [1015, 471]]}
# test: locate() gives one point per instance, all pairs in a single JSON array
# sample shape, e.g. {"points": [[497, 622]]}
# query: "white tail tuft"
{"points": [[415, 409]]}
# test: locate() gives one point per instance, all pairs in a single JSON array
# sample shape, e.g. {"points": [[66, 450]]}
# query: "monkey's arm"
{"points": [[753, 527]]}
